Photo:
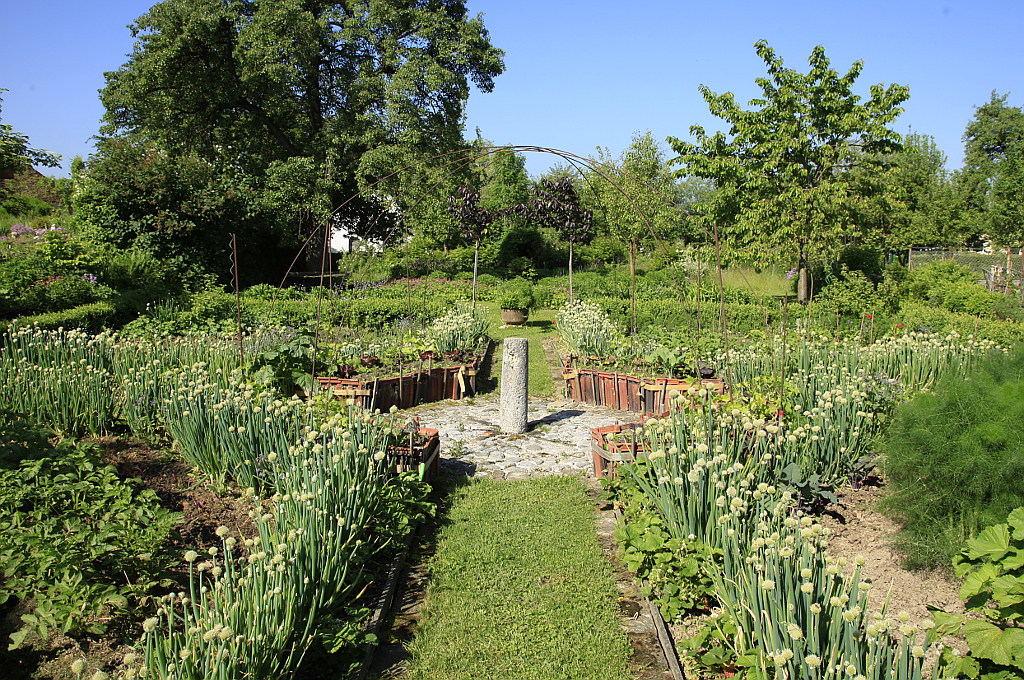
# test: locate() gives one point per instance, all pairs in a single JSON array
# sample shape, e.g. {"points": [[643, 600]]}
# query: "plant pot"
{"points": [[514, 317]]}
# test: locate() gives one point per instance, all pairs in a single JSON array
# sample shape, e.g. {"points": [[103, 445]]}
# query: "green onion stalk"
{"points": [[74, 399], [586, 330], [696, 469], [229, 430], [800, 614], [254, 614], [916, 360], [462, 328], [55, 348]]}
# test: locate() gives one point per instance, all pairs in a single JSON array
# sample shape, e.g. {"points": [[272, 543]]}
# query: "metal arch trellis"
{"points": [[457, 160]]}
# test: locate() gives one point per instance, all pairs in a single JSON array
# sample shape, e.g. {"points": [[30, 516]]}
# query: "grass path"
{"points": [[519, 589], [539, 327]]}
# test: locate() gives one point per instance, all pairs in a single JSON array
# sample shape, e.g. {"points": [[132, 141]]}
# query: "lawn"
{"points": [[540, 326], [520, 589]]}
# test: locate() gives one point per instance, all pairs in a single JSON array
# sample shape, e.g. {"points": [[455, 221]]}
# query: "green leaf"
{"points": [[1016, 522], [17, 639], [978, 581], [991, 544], [989, 641], [1008, 590], [946, 623]]}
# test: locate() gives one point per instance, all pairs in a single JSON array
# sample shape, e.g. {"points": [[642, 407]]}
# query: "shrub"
{"points": [[954, 459], [91, 317], [851, 293], [922, 280], [515, 294]]}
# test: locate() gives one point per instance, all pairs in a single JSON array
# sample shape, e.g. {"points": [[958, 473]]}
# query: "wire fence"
{"points": [[999, 271]]}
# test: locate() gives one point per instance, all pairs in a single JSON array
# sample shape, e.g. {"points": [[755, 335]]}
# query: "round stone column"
{"points": [[515, 375]]}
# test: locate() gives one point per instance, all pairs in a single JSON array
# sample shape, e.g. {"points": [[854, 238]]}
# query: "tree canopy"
{"points": [[782, 171], [15, 152], [993, 173], [315, 99], [910, 198]]}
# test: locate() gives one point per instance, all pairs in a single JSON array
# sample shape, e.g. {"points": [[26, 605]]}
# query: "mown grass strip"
{"points": [[519, 589], [539, 326]]}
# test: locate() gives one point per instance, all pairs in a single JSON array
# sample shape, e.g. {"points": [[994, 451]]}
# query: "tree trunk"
{"points": [[632, 287], [1009, 265], [803, 287], [570, 271], [476, 258]]}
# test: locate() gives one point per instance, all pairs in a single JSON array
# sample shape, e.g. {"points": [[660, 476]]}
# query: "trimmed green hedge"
{"points": [[93, 317]]}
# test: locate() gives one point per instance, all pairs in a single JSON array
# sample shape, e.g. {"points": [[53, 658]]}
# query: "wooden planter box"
{"points": [[407, 390], [627, 392], [607, 454], [424, 458]]}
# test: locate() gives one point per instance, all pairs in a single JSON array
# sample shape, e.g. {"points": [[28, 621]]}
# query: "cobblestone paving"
{"points": [[557, 440]]}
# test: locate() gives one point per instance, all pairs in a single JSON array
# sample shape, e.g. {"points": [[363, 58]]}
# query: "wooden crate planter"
{"points": [[407, 390], [608, 454], [627, 392], [424, 458]]}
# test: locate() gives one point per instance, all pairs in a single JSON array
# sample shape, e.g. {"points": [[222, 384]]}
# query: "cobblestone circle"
{"points": [[557, 441]]}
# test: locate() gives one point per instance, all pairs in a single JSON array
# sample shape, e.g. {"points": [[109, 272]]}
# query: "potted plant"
{"points": [[516, 299]]}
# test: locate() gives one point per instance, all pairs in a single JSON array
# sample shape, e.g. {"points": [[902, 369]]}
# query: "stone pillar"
{"points": [[514, 380]]}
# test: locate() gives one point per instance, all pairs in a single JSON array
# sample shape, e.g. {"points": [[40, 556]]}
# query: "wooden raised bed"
{"points": [[424, 458], [407, 390], [627, 392]]}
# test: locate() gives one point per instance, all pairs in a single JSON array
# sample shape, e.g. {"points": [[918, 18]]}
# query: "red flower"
{"points": [[870, 317], [899, 325]]}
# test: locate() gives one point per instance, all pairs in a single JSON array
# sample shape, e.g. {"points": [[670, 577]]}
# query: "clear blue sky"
{"points": [[581, 74]]}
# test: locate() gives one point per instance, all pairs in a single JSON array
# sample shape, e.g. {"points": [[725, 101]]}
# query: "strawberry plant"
{"points": [[77, 541]]}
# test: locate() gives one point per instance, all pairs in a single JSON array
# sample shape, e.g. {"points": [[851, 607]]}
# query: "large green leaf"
{"points": [[978, 581], [946, 623], [1002, 646], [1008, 590], [1016, 522], [991, 544]]}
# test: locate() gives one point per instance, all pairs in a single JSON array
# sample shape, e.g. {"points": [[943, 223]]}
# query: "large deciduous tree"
{"points": [[316, 99], [16, 154], [910, 198], [993, 173], [782, 171], [634, 199]]}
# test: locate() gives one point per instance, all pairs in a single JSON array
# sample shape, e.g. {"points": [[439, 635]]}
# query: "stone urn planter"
{"points": [[515, 298], [514, 317]]}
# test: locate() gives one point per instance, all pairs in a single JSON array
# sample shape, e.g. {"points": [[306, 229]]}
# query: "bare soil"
{"points": [[858, 529]]}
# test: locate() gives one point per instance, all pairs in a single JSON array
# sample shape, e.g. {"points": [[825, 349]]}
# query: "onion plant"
{"points": [[253, 614], [58, 378], [586, 329], [709, 469], [461, 328], [228, 428], [800, 614]]}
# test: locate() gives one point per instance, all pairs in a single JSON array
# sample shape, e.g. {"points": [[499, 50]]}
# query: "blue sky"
{"points": [[581, 74]]}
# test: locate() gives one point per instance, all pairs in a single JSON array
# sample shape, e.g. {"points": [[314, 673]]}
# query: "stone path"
{"points": [[557, 440]]}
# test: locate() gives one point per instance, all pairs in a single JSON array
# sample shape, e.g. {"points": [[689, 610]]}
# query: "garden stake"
{"points": [[785, 347], [721, 303], [416, 388], [238, 297]]}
